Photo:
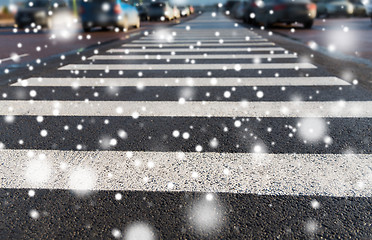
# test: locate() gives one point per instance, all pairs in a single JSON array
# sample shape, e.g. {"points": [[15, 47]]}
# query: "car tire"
{"points": [[86, 28], [308, 24], [326, 14]]}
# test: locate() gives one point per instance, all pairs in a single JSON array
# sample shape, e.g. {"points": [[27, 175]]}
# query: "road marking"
{"points": [[226, 57], [10, 58], [330, 109], [123, 50], [202, 41], [179, 82], [334, 175], [178, 67], [198, 56], [165, 45]]}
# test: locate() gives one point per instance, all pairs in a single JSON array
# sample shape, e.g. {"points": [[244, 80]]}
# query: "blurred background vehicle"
{"points": [[176, 12], [40, 13], [359, 8], [368, 6], [229, 5], [160, 10], [269, 12], [142, 12], [191, 8], [185, 11], [106, 13], [238, 10], [331, 8]]}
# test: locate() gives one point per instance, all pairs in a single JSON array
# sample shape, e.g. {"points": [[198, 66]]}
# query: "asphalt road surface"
{"points": [[203, 130]]}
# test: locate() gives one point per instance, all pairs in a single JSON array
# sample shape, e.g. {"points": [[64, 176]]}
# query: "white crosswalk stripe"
{"points": [[227, 57], [170, 82], [248, 49], [185, 170], [200, 45], [236, 67], [189, 109]]}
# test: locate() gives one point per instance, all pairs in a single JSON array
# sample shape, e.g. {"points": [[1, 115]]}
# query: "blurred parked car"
{"points": [[185, 11], [176, 12], [229, 5], [143, 12], [359, 8], [269, 12], [239, 9], [105, 13], [160, 10], [40, 13], [328, 8], [191, 8]]}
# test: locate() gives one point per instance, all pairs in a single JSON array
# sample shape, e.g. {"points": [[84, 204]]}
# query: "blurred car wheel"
{"points": [[86, 27], [308, 24]]}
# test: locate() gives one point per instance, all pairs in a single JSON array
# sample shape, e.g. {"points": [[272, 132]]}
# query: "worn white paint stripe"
{"points": [[227, 57], [202, 41], [177, 67], [175, 82], [14, 58], [222, 49], [334, 175], [242, 32], [334, 109], [199, 39], [165, 45]]}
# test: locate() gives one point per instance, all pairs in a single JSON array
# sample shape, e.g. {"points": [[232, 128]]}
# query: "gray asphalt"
{"points": [[166, 177]]}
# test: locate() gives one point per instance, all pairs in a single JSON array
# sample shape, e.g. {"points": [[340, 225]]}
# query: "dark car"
{"points": [[160, 10], [106, 13], [359, 8], [229, 5], [39, 13], [143, 12], [269, 12]]}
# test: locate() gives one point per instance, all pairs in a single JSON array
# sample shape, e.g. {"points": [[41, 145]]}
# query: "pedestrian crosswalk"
{"points": [[125, 120]]}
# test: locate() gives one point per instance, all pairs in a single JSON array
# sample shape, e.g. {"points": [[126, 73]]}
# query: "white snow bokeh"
{"points": [[106, 142], [163, 35], [34, 214], [311, 227], [82, 179], [259, 153], [341, 39], [38, 170], [116, 233], [312, 130], [64, 26], [139, 231], [186, 93], [206, 216]]}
